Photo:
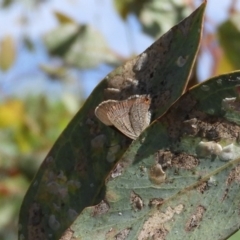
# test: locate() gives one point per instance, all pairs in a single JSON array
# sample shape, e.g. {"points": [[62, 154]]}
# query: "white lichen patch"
{"points": [[53, 223], [205, 88], [227, 103], [117, 171], [72, 214], [141, 62], [229, 152], [219, 81], [130, 83], [99, 141], [212, 181], [63, 192], [61, 176], [181, 61], [190, 127], [111, 93], [53, 187], [152, 225], [208, 149], [57, 189]]}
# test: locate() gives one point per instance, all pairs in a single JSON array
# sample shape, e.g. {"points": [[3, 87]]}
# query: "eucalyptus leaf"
{"points": [[73, 174], [180, 178]]}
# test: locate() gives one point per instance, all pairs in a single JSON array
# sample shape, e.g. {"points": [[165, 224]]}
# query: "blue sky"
{"points": [[100, 14]]}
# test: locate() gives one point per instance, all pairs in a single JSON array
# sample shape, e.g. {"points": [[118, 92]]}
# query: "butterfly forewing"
{"points": [[102, 110]]}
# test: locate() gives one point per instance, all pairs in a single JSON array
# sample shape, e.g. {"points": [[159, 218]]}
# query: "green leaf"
{"points": [[73, 174], [80, 46], [180, 178], [54, 72], [229, 37], [62, 18], [7, 53], [28, 43], [6, 3]]}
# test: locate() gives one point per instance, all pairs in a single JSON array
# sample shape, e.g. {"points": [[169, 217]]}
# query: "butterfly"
{"points": [[130, 116]]}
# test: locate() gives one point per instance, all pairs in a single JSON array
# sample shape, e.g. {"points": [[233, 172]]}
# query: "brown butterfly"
{"points": [[130, 116]]}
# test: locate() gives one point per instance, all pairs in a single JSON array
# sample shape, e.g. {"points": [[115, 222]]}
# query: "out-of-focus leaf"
{"points": [[62, 18], [7, 53], [156, 16], [181, 172], [124, 7], [12, 190], [81, 46], [60, 39], [28, 43], [54, 72], [28, 129], [224, 65], [7, 3], [74, 172], [12, 113], [229, 37]]}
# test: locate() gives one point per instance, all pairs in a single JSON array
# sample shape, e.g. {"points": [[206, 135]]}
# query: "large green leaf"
{"points": [[73, 174], [180, 179], [79, 45], [229, 37]]}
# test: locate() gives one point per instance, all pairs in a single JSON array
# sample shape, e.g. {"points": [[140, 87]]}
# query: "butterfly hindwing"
{"points": [[119, 116], [139, 114]]}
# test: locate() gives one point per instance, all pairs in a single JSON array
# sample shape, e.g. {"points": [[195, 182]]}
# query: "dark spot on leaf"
{"points": [[155, 202], [202, 187], [101, 208], [195, 219], [123, 234], [136, 201]]}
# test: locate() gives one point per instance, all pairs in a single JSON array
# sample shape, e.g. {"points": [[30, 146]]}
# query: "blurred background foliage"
{"points": [[47, 96]]}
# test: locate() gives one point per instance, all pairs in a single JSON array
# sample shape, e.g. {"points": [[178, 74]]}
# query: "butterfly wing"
{"points": [[118, 114], [130, 116], [102, 109], [140, 116]]}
